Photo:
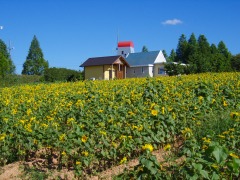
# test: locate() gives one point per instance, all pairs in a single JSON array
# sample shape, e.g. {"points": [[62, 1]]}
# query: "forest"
{"points": [[197, 55]]}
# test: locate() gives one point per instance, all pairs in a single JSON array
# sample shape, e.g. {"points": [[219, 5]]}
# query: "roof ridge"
{"points": [[104, 56]]}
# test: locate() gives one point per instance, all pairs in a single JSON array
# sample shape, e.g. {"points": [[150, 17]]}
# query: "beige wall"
{"points": [[155, 69], [108, 68], [100, 72], [94, 72]]}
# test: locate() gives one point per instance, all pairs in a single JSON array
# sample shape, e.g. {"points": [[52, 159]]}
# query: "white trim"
{"points": [[145, 65]]}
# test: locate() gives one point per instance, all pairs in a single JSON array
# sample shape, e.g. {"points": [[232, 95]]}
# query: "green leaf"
{"points": [[148, 164], [204, 174], [197, 166], [236, 165], [86, 162], [215, 176], [220, 154]]}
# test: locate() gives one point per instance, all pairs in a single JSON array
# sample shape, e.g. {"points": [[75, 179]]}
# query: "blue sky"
{"points": [[70, 31]]}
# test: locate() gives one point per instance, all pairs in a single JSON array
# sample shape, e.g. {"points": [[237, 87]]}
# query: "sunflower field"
{"points": [[90, 126]]}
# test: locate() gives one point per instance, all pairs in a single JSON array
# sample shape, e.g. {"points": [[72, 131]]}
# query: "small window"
{"points": [[142, 70], [122, 52], [134, 71], [161, 71]]}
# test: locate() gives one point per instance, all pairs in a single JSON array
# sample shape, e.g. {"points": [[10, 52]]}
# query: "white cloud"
{"points": [[172, 22], [1, 27]]}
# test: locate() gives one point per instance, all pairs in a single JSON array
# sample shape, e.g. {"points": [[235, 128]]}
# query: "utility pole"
{"points": [[10, 48]]}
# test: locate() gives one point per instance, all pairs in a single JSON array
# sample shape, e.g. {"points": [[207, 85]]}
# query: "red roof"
{"points": [[125, 44]]}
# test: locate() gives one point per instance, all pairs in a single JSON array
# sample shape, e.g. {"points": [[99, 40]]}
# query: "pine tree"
{"points": [[214, 58], [165, 55], [144, 49], [226, 63], [172, 56], [181, 51], [6, 64], [35, 63], [204, 55], [235, 61], [192, 54]]}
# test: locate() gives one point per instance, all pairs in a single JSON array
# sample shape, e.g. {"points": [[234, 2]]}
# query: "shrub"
{"points": [[62, 74]]}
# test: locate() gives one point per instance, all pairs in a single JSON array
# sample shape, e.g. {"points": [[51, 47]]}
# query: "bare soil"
{"points": [[15, 171]]}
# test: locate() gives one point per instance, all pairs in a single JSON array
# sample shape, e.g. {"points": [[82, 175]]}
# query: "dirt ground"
{"points": [[15, 171]]}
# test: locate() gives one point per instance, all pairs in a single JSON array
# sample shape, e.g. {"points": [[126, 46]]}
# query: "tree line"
{"points": [[198, 56], [35, 64]]}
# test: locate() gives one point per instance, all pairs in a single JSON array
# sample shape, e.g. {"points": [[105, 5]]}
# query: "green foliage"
{"points": [[181, 49], [235, 61], [62, 74], [173, 69], [35, 63], [6, 64], [200, 56], [226, 57], [172, 56], [144, 49], [165, 55], [15, 80], [34, 173]]}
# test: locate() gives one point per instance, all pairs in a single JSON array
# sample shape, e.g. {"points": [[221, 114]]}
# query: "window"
{"points": [[134, 71], [142, 69], [122, 52], [161, 70]]}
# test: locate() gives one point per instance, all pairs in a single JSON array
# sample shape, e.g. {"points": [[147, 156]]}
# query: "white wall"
{"points": [[139, 71], [126, 51]]}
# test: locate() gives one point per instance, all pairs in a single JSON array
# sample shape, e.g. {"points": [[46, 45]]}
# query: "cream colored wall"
{"points": [[107, 68], [155, 69], [100, 72], [93, 72]]}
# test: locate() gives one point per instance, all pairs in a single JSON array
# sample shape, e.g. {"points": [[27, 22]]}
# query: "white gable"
{"points": [[160, 58]]}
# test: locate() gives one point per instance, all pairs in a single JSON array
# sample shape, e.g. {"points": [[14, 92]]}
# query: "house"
{"points": [[126, 64], [142, 64], [146, 64], [106, 68]]}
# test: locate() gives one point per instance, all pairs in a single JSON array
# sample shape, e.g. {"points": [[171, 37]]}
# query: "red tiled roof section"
{"points": [[107, 60], [125, 44]]}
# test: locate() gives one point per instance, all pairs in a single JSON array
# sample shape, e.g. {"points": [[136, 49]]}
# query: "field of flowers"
{"points": [[92, 125]]}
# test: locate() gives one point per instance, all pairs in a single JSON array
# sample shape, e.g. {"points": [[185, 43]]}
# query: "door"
{"points": [[120, 74]]}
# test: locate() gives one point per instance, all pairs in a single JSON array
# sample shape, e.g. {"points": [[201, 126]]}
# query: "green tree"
{"points": [[35, 63], [62, 74], [172, 56], [214, 58], [6, 64], [192, 54], [226, 62], [235, 61], [173, 68], [165, 55], [181, 51], [144, 49], [204, 55]]}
